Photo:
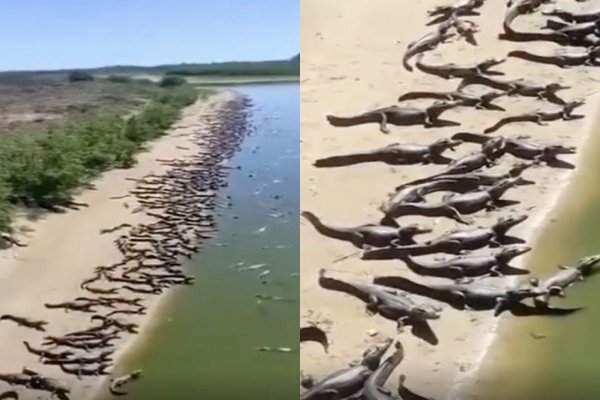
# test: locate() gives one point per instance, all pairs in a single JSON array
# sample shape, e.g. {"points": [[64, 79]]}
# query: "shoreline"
{"points": [[36, 274], [531, 234], [364, 76]]}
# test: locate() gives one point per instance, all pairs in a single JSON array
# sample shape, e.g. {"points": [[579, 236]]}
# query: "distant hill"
{"points": [[289, 66]]}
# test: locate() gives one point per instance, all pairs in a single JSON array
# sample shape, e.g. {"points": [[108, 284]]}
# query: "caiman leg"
{"points": [[501, 305], [383, 124], [371, 307], [453, 213], [540, 121]]}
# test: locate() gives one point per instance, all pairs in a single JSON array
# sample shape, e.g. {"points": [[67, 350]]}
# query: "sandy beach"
{"points": [[63, 249], [351, 63]]}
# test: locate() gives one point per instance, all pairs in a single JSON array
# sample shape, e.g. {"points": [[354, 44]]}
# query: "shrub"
{"points": [[118, 78], [79, 76], [171, 81], [46, 167]]}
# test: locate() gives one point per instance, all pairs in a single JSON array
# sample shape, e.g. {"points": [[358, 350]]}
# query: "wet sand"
{"points": [[63, 250], [352, 62]]}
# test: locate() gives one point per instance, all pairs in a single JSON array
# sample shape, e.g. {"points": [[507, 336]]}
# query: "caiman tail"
{"points": [[326, 230], [407, 56], [314, 334], [398, 252], [508, 120], [525, 55], [470, 137], [399, 282], [427, 210], [341, 286], [423, 95], [389, 365], [348, 159], [356, 120]]}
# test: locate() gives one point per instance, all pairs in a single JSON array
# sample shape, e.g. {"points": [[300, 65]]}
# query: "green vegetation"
{"points": [[44, 168], [261, 68], [118, 78], [80, 76], [170, 81], [289, 66]]}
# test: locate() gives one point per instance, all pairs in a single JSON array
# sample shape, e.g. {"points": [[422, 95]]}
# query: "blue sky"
{"points": [[54, 34]]}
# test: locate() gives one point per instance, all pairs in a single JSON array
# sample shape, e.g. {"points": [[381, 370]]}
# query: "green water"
{"points": [[565, 363], [203, 346]]}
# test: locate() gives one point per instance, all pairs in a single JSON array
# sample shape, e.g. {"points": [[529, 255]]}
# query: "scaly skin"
{"points": [[400, 116], [367, 235], [348, 381], [395, 154]]}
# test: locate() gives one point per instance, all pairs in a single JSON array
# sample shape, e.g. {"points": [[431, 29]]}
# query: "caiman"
{"points": [[400, 116], [374, 386], [409, 194], [566, 277], [519, 7], [455, 206], [349, 381], [396, 154], [541, 117], [563, 59], [428, 42], [473, 180], [471, 265], [586, 16], [519, 87], [458, 8], [452, 70], [389, 303], [480, 102], [28, 323], [474, 296], [368, 234], [521, 148], [456, 241]]}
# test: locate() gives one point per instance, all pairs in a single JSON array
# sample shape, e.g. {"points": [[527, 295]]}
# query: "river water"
{"points": [[556, 358], [204, 344]]}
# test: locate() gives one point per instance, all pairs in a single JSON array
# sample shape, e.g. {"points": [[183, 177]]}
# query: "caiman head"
{"points": [[494, 147], [501, 187], [570, 106], [555, 87], [372, 356], [509, 252], [439, 146], [440, 106], [489, 96], [424, 312], [504, 224], [588, 265], [517, 169], [491, 62], [559, 149]]}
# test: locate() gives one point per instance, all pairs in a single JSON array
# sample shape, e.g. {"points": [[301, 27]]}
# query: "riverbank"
{"points": [[234, 80], [64, 249], [346, 72], [569, 233], [259, 227]]}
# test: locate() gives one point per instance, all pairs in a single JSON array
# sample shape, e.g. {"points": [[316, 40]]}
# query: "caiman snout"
{"points": [[517, 251], [523, 182], [514, 220], [425, 312]]}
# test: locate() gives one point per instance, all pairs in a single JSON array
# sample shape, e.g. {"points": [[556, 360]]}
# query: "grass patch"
{"points": [[43, 169], [170, 81]]}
